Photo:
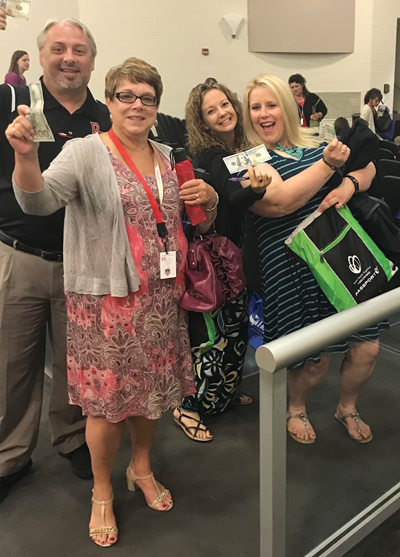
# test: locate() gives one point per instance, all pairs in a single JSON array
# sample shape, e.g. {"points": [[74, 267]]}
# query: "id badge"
{"points": [[168, 265], [301, 121]]}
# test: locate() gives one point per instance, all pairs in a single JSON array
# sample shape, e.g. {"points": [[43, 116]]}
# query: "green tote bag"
{"points": [[347, 264]]}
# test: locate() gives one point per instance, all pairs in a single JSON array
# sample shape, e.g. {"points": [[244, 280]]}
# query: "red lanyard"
{"points": [[161, 228]]}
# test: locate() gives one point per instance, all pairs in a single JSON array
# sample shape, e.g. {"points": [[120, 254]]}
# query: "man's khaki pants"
{"points": [[32, 298]]}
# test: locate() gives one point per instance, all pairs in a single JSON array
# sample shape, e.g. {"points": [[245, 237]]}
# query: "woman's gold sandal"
{"points": [[103, 530], [132, 480], [356, 417], [304, 418]]}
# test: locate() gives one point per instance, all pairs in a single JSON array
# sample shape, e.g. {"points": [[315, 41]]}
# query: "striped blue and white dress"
{"points": [[292, 296]]}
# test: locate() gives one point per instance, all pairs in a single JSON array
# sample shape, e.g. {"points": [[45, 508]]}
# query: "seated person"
{"points": [[377, 114], [340, 124]]}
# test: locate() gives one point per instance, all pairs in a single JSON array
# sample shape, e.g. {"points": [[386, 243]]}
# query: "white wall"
{"points": [[171, 34], [21, 34], [383, 55]]}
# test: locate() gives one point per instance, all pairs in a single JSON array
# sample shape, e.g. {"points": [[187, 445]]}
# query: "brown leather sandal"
{"points": [[304, 418], [356, 417]]}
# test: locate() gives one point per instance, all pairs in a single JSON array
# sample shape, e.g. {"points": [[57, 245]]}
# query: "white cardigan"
{"points": [[367, 115], [97, 254]]}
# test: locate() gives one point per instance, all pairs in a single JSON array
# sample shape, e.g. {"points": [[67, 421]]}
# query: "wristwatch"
{"points": [[355, 182]]}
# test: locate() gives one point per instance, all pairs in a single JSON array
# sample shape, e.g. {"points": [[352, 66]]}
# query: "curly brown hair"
{"points": [[199, 136]]}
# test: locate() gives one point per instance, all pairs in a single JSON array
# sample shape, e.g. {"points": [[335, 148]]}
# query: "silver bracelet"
{"points": [[215, 206]]}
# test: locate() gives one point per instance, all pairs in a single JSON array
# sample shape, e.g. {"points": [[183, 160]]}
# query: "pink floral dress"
{"points": [[131, 356]]}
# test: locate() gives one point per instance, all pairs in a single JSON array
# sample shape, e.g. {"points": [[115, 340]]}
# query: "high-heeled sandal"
{"points": [[103, 530], [132, 480]]}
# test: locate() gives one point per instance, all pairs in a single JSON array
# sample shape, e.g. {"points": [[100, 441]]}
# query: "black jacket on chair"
{"points": [[373, 214]]}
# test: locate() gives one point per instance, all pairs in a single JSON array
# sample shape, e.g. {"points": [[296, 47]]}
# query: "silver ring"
{"points": [[340, 206], [343, 150], [197, 197]]}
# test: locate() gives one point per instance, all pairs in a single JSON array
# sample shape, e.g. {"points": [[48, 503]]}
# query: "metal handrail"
{"points": [[274, 358], [294, 347]]}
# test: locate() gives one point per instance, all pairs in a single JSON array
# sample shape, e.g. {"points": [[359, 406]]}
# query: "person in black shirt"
{"points": [[310, 107], [215, 130], [31, 268]]}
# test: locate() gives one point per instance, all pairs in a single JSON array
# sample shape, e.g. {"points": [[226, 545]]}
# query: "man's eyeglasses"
{"points": [[130, 98]]}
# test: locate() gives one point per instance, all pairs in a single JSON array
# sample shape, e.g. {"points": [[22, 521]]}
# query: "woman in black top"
{"points": [[311, 108], [215, 130]]}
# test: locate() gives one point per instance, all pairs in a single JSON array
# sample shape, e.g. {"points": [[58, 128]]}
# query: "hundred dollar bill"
{"points": [[18, 8], [240, 161], [326, 132], [258, 154], [36, 116]]}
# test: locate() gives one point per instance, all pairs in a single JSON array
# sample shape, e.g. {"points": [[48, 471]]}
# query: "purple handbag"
{"points": [[214, 273]]}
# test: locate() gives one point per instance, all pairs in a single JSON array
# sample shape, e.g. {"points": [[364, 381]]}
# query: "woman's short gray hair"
{"points": [[67, 21]]}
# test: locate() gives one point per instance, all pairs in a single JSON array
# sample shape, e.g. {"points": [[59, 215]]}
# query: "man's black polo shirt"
{"points": [[45, 233]]}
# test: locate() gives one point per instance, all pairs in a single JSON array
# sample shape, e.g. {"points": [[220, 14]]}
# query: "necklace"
{"points": [[294, 151]]}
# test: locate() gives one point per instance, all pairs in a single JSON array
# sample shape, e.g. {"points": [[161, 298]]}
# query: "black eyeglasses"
{"points": [[130, 98]]}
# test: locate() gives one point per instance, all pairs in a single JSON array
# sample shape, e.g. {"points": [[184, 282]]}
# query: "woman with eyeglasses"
{"points": [[128, 348]]}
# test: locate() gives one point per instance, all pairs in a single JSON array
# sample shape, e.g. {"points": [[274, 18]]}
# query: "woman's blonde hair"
{"points": [[200, 137], [135, 71], [296, 135]]}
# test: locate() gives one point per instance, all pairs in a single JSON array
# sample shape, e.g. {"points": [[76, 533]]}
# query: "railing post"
{"points": [[278, 355], [273, 463]]}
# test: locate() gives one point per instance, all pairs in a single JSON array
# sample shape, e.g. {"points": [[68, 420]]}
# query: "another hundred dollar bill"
{"points": [[36, 116], [326, 132], [18, 8], [239, 161]]}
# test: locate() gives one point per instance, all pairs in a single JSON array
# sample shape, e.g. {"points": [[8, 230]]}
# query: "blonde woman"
{"points": [[301, 170]]}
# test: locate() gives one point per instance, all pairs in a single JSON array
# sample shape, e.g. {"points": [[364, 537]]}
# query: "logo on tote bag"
{"points": [[354, 264]]}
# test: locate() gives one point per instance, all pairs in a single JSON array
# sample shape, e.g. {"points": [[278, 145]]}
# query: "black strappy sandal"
{"points": [[201, 426]]}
